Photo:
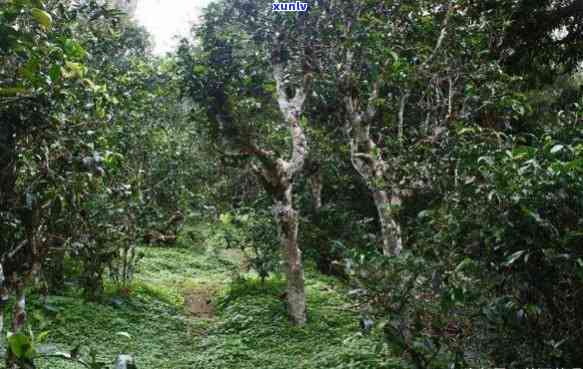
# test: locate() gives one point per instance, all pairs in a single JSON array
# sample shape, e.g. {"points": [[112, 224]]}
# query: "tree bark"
{"points": [[4, 296], [287, 220], [19, 318], [316, 187], [390, 228], [276, 179], [7, 241], [18, 322], [276, 176], [368, 162], [7, 186], [7, 166], [286, 216]]}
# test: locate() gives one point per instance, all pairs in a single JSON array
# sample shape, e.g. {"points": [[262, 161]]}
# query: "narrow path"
{"points": [[185, 312]]}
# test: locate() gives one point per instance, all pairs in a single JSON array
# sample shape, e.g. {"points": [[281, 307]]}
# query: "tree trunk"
{"points": [[7, 166], [285, 171], [57, 267], [390, 228], [316, 187], [287, 220], [276, 175], [18, 322], [7, 187], [276, 179], [367, 161], [4, 296], [7, 242]]}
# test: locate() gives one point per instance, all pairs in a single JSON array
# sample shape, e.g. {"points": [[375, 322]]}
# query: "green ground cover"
{"points": [[247, 327]]}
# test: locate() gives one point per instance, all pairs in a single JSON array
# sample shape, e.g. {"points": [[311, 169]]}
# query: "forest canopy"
{"points": [[365, 184]]}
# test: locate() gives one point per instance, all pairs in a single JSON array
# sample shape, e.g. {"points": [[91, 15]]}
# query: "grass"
{"points": [[250, 329], [253, 332]]}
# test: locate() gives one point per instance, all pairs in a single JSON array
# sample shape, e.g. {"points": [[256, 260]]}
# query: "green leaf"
{"points": [[42, 336], [579, 271], [269, 87], [519, 153], [514, 257], [200, 69], [89, 83], [226, 218], [20, 345], [534, 215], [466, 130], [73, 49], [31, 69], [394, 55], [43, 18], [55, 73], [532, 310], [74, 70], [556, 149], [465, 263], [424, 214], [575, 165], [124, 334], [12, 91]]}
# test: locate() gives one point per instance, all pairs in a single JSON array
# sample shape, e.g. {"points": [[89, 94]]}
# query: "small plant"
{"points": [[262, 241], [123, 266], [27, 348], [420, 318], [254, 233]]}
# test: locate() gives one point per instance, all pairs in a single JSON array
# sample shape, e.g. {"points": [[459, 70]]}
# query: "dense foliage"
{"points": [[427, 155]]}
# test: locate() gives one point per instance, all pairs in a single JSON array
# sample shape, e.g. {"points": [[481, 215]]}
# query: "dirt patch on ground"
{"points": [[199, 295], [199, 303]]}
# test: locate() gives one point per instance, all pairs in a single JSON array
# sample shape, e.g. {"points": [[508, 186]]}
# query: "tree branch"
{"points": [[4, 296], [441, 37], [402, 104], [291, 110]]}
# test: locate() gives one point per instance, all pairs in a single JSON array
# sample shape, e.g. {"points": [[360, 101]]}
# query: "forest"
{"points": [[368, 184]]}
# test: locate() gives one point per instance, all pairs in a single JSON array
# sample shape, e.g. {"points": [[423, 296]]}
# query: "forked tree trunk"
{"points": [[286, 216], [366, 157], [276, 180], [277, 176], [367, 161]]}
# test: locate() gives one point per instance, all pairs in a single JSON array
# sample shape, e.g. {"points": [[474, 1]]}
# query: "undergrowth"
{"points": [[250, 328], [253, 332]]}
